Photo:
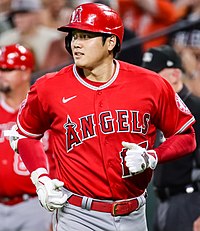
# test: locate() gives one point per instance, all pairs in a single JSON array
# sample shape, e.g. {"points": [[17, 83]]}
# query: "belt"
{"points": [[167, 192], [116, 208], [16, 199]]}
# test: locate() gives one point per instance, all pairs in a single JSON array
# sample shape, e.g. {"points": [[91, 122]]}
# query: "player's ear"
{"points": [[112, 40], [68, 40]]}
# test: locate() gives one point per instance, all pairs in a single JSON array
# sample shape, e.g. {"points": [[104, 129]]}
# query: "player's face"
{"points": [[9, 80], [88, 49], [168, 74]]}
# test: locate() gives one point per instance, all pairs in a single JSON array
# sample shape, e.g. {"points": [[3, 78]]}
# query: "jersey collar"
{"points": [[92, 87]]}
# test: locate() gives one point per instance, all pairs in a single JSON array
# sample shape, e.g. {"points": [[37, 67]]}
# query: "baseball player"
{"points": [[19, 207], [103, 115]]}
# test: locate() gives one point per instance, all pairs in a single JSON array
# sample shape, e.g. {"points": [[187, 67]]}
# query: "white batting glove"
{"points": [[138, 159], [14, 137], [49, 191]]}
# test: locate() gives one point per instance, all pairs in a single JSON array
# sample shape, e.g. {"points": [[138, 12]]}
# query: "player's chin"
{"points": [[79, 63]]}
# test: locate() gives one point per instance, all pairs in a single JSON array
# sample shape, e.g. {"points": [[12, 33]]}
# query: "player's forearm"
{"points": [[32, 154], [176, 146]]}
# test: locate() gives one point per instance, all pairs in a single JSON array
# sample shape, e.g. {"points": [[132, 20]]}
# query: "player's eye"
{"points": [[81, 36], [74, 36], [84, 36]]}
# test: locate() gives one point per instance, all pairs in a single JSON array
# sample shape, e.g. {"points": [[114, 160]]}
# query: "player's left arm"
{"points": [[176, 122], [177, 146], [138, 159], [178, 130]]}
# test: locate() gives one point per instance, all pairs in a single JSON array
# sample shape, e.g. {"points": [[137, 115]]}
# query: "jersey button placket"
{"points": [[99, 93]]}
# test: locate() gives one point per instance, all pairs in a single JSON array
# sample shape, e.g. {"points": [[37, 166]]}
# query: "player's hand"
{"points": [[14, 137], [49, 191], [138, 159]]}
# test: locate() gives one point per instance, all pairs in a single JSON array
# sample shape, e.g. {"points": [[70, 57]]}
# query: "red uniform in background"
{"points": [[19, 207], [14, 177]]}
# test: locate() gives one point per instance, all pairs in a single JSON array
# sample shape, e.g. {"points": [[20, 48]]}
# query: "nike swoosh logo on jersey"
{"points": [[65, 100]]}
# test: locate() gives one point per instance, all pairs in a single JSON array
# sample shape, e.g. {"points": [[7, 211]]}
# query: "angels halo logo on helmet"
{"points": [[94, 17], [76, 15], [16, 56]]}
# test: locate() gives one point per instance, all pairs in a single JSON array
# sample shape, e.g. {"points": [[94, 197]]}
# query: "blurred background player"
{"points": [[177, 183], [19, 207]]}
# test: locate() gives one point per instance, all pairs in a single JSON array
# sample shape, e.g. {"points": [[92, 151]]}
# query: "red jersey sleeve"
{"points": [[172, 116], [33, 122]]}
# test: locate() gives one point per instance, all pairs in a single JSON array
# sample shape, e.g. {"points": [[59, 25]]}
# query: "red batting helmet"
{"points": [[95, 17], [16, 56]]}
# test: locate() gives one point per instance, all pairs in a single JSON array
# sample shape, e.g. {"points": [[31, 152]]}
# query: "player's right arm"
{"points": [[32, 153], [30, 148]]}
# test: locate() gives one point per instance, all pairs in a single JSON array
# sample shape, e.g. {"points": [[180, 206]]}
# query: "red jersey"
{"points": [[89, 121], [14, 176]]}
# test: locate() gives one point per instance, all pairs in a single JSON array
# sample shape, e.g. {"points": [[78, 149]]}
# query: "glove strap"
{"points": [[153, 159], [35, 175]]}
